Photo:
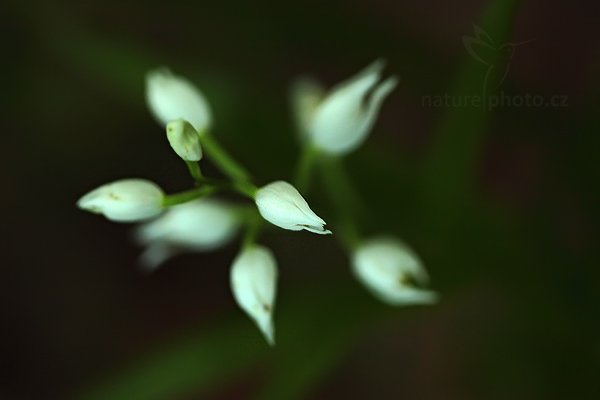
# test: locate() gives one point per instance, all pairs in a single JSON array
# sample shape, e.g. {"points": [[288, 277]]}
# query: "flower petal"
{"points": [[341, 122], [282, 205], [253, 283], [126, 200], [172, 97]]}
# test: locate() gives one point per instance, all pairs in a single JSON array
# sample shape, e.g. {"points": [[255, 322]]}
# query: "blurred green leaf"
{"points": [[312, 337], [196, 361], [316, 336], [457, 141]]}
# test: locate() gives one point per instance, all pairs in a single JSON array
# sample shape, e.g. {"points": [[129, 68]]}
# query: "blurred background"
{"points": [[501, 203]]}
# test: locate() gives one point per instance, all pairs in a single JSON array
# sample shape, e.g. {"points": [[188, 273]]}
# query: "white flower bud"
{"points": [[253, 283], [392, 271], [172, 97], [126, 200], [184, 140], [343, 119], [196, 226], [282, 205]]}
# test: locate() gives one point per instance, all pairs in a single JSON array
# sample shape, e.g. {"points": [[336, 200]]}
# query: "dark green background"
{"points": [[501, 205]]}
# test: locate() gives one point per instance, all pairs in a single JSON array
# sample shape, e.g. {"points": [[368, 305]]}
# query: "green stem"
{"points": [[340, 185], [187, 195], [224, 161], [342, 194], [254, 226], [246, 188], [349, 234], [194, 169], [243, 187], [304, 169]]}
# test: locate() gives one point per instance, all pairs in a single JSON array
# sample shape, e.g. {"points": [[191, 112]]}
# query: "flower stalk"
{"points": [[195, 172], [222, 159], [306, 163], [341, 192], [188, 195]]}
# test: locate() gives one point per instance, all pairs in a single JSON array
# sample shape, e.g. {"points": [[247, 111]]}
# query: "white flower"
{"points": [[253, 282], [172, 97], [199, 225], [184, 140], [126, 200], [392, 272], [343, 118], [282, 205]]}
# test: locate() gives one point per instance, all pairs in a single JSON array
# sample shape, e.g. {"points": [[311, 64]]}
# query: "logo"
{"points": [[496, 56]]}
